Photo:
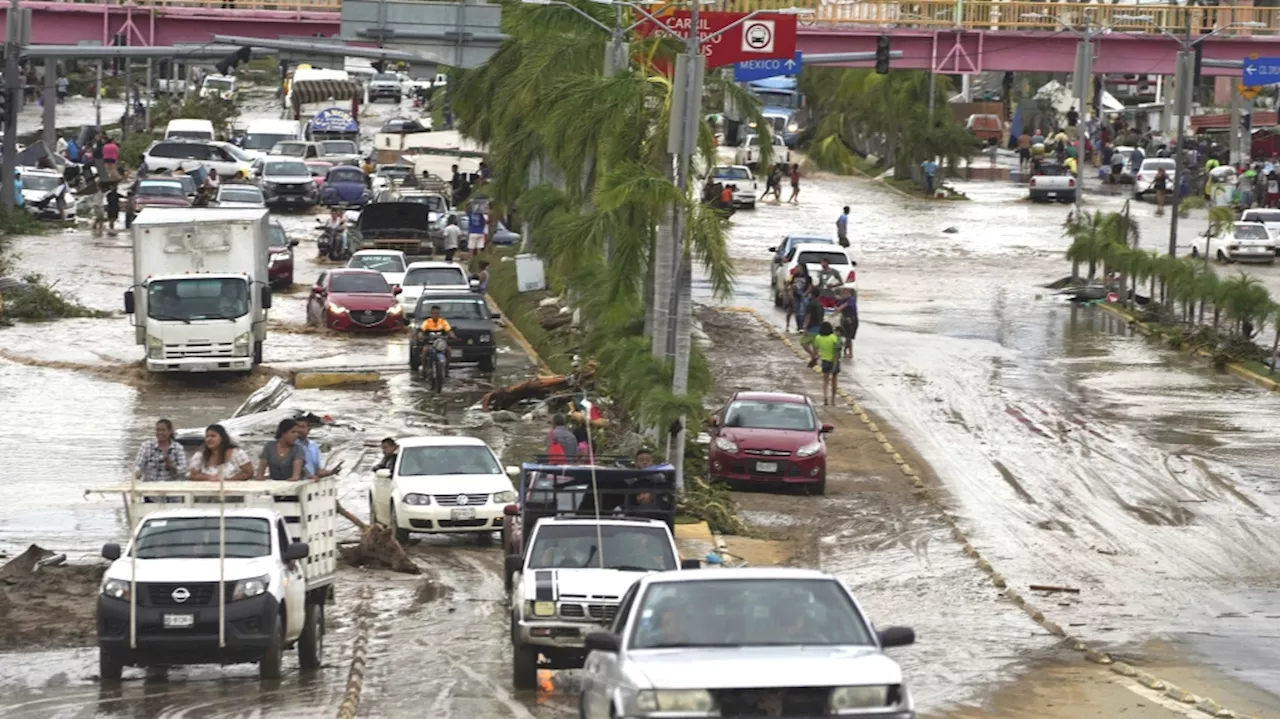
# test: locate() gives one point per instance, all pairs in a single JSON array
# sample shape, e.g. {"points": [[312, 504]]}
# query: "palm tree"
{"points": [[1246, 300]]}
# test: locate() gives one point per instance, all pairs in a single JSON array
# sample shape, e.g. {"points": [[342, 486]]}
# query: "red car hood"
{"points": [[782, 439], [364, 301]]}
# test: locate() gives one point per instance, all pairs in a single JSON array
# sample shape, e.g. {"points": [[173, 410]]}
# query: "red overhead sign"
{"points": [[763, 37]]}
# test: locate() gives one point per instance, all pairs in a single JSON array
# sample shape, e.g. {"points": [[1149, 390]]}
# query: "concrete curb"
{"points": [[1234, 368], [359, 658], [510, 328], [997, 580]]}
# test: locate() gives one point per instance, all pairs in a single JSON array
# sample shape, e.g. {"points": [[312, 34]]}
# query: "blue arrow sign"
{"points": [[749, 70], [1263, 71]]}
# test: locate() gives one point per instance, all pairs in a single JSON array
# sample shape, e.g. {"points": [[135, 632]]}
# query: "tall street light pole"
{"points": [[12, 47], [1184, 82]]}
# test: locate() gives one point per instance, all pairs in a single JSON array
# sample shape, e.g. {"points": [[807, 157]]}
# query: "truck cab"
{"points": [[577, 538], [218, 577], [201, 288]]}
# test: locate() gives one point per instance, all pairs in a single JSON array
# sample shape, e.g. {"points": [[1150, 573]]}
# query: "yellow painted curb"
{"points": [[327, 380], [696, 531], [897, 459], [511, 329]]}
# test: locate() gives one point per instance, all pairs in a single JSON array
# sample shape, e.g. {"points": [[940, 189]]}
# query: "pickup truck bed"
{"points": [[1053, 182]]}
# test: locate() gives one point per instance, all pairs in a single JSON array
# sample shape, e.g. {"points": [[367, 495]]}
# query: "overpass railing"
{"points": [[999, 15], [279, 5]]}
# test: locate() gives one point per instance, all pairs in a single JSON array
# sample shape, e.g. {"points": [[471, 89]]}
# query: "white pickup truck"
{"points": [[218, 577], [1052, 182], [570, 581]]}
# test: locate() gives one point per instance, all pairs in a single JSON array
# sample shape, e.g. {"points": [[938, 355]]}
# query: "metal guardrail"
{"points": [[999, 15], [277, 5]]}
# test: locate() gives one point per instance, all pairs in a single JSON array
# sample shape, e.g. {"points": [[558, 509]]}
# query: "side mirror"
{"points": [[111, 551], [474, 283], [513, 471], [293, 243], [714, 421], [773, 249], [827, 429], [602, 642], [691, 564], [496, 315], [318, 290], [514, 563], [266, 298], [896, 637], [296, 551], [383, 474], [511, 510], [396, 290], [129, 306]]}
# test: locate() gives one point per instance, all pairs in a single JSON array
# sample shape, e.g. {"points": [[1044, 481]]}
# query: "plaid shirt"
{"points": [[151, 462]]}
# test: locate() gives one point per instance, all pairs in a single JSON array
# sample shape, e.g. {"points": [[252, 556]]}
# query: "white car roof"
{"points": [[39, 171], [730, 167], [607, 521], [441, 440], [367, 253], [211, 510], [433, 265], [822, 246], [725, 574]]}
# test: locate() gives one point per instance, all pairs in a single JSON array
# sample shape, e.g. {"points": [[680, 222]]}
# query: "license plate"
{"points": [[179, 621], [766, 466], [464, 513], [456, 354], [201, 367], [1051, 194]]}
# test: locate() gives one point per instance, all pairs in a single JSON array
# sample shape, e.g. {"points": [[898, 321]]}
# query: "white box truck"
{"points": [[219, 573], [200, 290]]}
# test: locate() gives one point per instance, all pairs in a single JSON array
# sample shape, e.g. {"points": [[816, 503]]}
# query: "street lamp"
{"points": [[1084, 70], [1185, 69], [615, 57]]}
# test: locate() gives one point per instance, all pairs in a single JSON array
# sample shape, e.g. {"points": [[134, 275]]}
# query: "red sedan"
{"points": [[159, 192], [352, 300], [769, 438]]}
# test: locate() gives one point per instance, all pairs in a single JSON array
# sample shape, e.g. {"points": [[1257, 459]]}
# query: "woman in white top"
{"points": [[220, 458]]}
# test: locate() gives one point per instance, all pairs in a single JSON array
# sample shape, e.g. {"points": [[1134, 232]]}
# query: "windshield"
{"points": [[345, 174], [190, 134], [1153, 165], [458, 309], [567, 546], [219, 84], [434, 203], [775, 98], [777, 123], [748, 613], [276, 237], [43, 183], [434, 276], [287, 169], [359, 283], [386, 77], [1251, 232], [1262, 216], [197, 299], [833, 258], [289, 149], [240, 194], [431, 461], [395, 171], [752, 414], [318, 169], [338, 147], [161, 189], [732, 173], [198, 538], [265, 141], [378, 263]]}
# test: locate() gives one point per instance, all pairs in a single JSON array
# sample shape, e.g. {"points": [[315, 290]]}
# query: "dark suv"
{"points": [[471, 320]]}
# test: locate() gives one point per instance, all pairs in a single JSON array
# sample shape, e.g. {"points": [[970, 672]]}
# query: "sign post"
{"points": [[751, 70], [1261, 71]]}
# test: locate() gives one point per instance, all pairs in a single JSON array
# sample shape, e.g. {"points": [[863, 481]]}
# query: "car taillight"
{"points": [[1033, 182], [1071, 183], [853, 275], [1139, 177]]}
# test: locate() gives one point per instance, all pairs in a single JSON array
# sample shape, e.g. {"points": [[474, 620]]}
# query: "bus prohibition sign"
{"points": [[757, 36]]}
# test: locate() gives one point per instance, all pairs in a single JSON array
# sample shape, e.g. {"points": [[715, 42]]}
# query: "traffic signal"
{"points": [[1195, 78], [228, 64], [882, 55], [4, 109]]}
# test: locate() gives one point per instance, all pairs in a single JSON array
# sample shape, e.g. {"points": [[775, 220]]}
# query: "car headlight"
{"points": [[792, 127], [809, 450], [540, 609], [155, 347], [485, 339], [725, 445], [417, 500], [311, 187], [337, 309], [268, 185], [116, 589], [859, 697], [671, 700], [251, 587], [396, 309], [240, 348], [504, 497]]}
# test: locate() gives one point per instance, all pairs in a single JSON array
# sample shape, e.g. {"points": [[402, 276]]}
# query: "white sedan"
{"points": [[240, 196], [431, 276], [1247, 242], [390, 263], [1145, 179], [812, 255], [442, 485]]}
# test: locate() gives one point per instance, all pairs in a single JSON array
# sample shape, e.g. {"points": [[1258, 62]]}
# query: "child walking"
{"points": [[828, 344]]}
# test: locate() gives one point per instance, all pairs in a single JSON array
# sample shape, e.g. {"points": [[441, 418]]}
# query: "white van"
{"points": [[262, 135], [223, 87], [189, 130]]}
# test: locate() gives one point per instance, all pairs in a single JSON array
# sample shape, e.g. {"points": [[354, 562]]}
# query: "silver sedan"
{"points": [[743, 642]]}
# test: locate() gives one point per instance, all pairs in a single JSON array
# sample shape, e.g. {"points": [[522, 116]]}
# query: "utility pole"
{"points": [[1184, 82], [50, 134], [1084, 82], [11, 83], [97, 97]]}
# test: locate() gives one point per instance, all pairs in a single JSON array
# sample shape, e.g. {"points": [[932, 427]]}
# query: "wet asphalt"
{"points": [[1074, 454]]}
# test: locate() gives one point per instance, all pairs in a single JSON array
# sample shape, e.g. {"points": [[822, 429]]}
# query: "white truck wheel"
{"points": [[311, 642], [271, 667]]}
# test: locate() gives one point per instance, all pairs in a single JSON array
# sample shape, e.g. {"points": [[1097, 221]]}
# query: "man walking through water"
{"points": [[842, 227]]}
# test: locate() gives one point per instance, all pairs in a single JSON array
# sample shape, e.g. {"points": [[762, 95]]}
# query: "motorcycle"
{"points": [[332, 243], [437, 364]]}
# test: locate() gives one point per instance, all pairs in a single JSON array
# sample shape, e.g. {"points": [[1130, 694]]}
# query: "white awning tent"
{"points": [[1062, 98]]}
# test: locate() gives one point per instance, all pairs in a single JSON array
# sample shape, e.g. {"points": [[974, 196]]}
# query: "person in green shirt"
{"points": [[827, 344]]}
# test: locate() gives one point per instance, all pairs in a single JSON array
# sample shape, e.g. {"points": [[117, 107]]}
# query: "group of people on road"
{"points": [[773, 183], [292, 455], [808, 298]]}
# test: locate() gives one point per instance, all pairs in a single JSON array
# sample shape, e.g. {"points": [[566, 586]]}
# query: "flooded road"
{"points": [[1074, 454]]}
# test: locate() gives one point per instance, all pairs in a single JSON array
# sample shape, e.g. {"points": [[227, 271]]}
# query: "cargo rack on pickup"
{"points": [[556, 487]]}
